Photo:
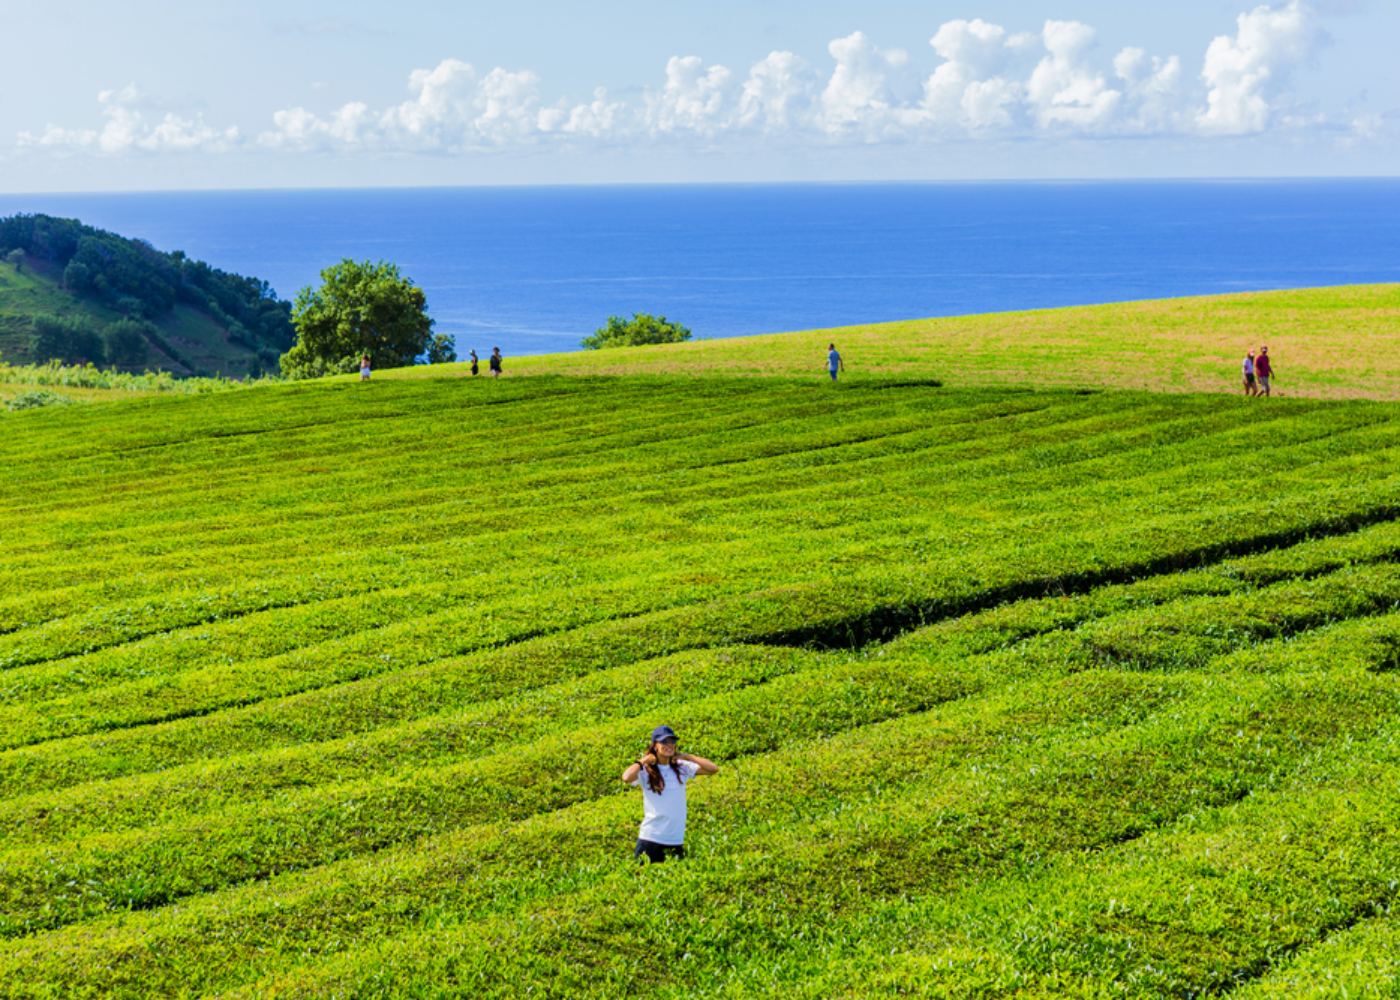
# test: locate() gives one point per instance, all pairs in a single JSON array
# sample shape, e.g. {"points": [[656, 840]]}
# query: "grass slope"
{"points": [[322, 689], [201, 344], [1325, 342]]}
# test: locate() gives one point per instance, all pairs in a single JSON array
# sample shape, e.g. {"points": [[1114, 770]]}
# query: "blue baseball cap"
{"points": [[662, 733]]}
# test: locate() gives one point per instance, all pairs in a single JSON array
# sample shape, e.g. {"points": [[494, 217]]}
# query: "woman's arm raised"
{"points": [[629, 773], [705, 766]]}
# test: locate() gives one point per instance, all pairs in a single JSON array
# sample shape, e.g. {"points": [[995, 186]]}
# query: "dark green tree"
{"points": [[59, 339], [442, 349], [642, 328], [360, 308], [126, 343], [77, 277]]}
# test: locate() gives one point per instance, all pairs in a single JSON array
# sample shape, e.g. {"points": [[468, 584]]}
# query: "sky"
{"points": [[158, 95]]}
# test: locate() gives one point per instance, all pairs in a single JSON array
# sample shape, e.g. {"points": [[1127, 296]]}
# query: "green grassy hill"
{"points": [[1325, 342], [191, 342], [86, 284], [324, 689]]}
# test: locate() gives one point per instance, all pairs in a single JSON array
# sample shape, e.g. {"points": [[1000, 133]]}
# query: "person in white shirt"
{"points": [[662, 774]]}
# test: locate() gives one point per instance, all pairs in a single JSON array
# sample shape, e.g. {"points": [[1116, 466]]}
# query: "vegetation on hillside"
{"points": [[642, 328], [57, 383], [1016, 691], [134, 295]]}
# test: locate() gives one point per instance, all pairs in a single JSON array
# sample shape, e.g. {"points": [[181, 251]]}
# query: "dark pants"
{"points": [[657, 853]]}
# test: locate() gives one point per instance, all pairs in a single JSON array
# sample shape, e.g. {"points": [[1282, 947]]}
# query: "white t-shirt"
{"points": [[663, 816]]}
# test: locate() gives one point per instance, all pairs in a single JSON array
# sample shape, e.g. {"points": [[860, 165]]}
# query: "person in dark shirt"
{"points": [[495, 362], [476, 369], [1263, 370]]}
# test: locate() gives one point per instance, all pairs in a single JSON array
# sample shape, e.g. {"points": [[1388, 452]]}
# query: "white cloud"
{"points": [[778, 93], [969, 88], [596, 119], [694, 99], [1064, 90], [866, 90], [987, 80], [131, 127], [450, 109], [1246, 70], [1153, 96]]}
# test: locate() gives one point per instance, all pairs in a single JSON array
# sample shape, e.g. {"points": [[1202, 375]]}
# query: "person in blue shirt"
{"points": [[834, 363]]}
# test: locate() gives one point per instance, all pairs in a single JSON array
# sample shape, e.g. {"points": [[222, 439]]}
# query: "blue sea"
{"points": [[533, 270]]}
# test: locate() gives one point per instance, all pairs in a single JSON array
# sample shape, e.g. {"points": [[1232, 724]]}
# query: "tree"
{"points": [[360, 308], [442, 349], [59, 339], [77, 277], [16, 257], [642, 328], [126, 343]]}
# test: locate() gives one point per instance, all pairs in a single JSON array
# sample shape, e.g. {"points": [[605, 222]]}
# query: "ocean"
{"points": [[532, 270]]}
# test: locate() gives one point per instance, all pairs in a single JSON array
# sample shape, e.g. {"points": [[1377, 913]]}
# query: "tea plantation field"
{"points": [[323, 689]]}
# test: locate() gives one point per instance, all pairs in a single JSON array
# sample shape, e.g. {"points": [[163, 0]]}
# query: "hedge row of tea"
{"points": [[323, 689]]}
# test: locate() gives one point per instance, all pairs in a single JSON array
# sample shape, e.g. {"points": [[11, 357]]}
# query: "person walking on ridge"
{"points": [[833, 361], [662, 774], [364, 367], [1249, 389], [1263, 370], [476, 369], [495, 361]]}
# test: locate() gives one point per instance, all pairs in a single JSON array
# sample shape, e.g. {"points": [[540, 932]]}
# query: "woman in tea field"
{"points": [[662, 774]]}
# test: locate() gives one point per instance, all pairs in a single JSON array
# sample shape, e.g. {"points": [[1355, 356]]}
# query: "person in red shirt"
{"points": [[1263, 371]]}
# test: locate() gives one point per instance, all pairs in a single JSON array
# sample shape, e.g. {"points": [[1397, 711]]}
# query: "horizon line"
{"points": [[577, 185]]}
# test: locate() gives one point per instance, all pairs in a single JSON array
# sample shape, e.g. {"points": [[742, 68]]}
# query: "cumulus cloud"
{"points": [[867, 89], [1245, 71], [1152, 89], [985, 79], [1065, 89], [130, 126], [598, 118], [778, 93], [694, 98], [451, 108], [970, 88]]}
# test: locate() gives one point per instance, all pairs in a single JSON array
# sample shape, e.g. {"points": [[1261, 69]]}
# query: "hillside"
{"points": [[324, 689], [187, 318], [1326, 343]]}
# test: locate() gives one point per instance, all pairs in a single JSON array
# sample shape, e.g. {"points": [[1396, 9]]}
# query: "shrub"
{"points": [[36, 398], [642, 328]]}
